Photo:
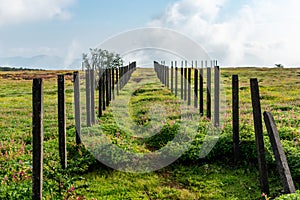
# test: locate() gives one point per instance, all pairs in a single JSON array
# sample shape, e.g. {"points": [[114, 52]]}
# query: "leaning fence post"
{"points": [[37, 139], [76, 80], [282, 164], [235, 118], [62, 121], [263, 172]]}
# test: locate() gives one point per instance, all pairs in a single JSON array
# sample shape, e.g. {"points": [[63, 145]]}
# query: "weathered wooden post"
{"points": [[103, 82], [113, 83], [117, 80], [263, 171], [282, 164], [181, 80], [62, 141], [100, 94], [88, 97], [77, 111], [92, 79], [37, 138], [235, 118], [196, 85], [110, 84], [176, 79], [208, 92], [189, 85], [168, 76], [201, 97], [217, 96], [172, 77], [107, 80], [185, 81]]}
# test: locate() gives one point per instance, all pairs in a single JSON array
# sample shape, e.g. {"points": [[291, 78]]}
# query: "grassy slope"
{"points": [[279, 88]]}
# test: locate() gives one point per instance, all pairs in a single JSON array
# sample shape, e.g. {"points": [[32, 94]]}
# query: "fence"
{"points": [[107, 79], [282, 165], [163, 72], [118, 77], [186, 83]]}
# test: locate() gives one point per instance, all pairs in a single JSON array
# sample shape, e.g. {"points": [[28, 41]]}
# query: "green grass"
{"points": [[214, 177]]}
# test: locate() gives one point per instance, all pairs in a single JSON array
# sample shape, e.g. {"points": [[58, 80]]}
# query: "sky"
{"points": [[236, 33]]}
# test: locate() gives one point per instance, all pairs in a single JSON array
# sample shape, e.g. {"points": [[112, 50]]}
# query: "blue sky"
{"points": [[245, 32], [90, 23]]}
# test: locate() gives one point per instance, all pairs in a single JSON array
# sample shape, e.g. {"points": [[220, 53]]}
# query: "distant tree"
{"points": [[101, 59]]}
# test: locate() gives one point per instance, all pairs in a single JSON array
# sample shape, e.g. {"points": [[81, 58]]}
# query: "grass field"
{"points": [[213, 177]]}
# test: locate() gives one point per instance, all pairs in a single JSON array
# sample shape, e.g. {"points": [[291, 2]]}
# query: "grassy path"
{"points": [[187, 178]]}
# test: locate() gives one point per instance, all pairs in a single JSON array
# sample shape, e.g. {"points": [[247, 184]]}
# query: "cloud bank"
{"points": [[260, 32], [20, 11]]}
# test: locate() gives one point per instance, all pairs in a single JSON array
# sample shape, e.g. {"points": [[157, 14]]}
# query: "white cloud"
{"points": [[262, 32], [19, 11]]}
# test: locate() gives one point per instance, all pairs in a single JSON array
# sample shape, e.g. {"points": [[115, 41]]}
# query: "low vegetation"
{"points": [[212, 177]]}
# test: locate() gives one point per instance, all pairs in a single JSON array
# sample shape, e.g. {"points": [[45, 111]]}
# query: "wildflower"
{"points": [[263, 194], [20, 162]]}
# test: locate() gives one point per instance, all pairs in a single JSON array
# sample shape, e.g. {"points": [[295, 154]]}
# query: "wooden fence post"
{"points": [[181, 80], [196, 76], [217, 96], [107, 79], [77, 113], [88, 97], [263, 172], [117, 80], [176, 79], [201, 97], [168, 77], [282, 164], [189, 85], [62, 143], [172, 77], [37, 138], [100, 91], [235, 118], [103, 88], [92, 82], [185, 81], [113, 83], [208, 92], [110, 84]]}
